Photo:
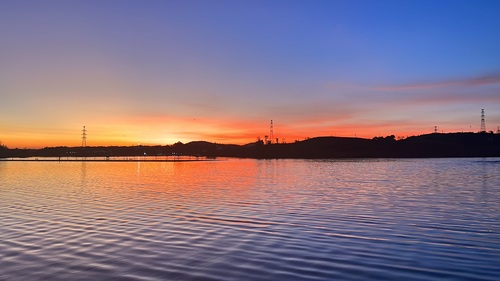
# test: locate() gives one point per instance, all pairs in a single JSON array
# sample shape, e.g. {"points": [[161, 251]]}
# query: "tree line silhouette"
{"points": [[423, 146]]}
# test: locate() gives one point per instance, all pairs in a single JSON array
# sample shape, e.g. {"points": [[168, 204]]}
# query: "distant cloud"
{"points": [[490, 79], [454, 98], [314, 111], [473, 90]]}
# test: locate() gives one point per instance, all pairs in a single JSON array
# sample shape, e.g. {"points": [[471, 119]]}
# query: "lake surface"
{"points": [[405, 219]]}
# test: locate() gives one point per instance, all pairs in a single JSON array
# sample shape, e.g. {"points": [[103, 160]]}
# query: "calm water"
{"points": [[430, 219]]}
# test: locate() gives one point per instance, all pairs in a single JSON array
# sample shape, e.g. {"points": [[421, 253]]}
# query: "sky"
{"points": [[158, 72]]}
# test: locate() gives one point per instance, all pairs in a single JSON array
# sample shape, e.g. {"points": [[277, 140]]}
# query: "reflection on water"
{"points": [[251, 220]]}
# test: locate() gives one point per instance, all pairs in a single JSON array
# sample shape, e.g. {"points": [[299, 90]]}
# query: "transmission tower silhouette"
{"points": [[483, 123], [271, 132], [84, 137]]}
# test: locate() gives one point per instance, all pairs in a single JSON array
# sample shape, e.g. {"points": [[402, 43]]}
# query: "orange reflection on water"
{"points": [[173, 184]]}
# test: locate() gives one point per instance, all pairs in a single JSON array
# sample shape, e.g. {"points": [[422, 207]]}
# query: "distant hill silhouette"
{"points": [[430, 145]]}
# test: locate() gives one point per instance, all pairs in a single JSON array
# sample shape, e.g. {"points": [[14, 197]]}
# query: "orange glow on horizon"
{"points": [[166, 132], [150, 129]]}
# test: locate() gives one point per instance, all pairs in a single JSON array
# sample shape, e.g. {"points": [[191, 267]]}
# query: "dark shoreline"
{"points": [[425, 146], [100, 160]]}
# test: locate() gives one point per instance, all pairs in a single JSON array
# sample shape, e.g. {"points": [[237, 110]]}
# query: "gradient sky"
{"points": [[158, 72]]}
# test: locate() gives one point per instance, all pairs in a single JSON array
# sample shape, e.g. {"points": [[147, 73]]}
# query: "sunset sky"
{"points": [[158, 72]]}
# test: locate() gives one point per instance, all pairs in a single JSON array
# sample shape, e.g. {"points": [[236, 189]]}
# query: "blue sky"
{"points": [[160, 71]]}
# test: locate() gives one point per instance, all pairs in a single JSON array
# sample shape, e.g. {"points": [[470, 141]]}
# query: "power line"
{"points": [[271, 132], [483, 123], [84, 137]]}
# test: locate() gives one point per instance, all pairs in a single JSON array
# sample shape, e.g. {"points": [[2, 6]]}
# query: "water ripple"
{"points": [[429, 219]]}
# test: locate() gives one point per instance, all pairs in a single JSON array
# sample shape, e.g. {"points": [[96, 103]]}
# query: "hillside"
{"points": [[431, 145]]}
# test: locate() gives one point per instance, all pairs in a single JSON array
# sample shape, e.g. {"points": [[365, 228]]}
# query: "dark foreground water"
{"points": [[430, 219]]}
